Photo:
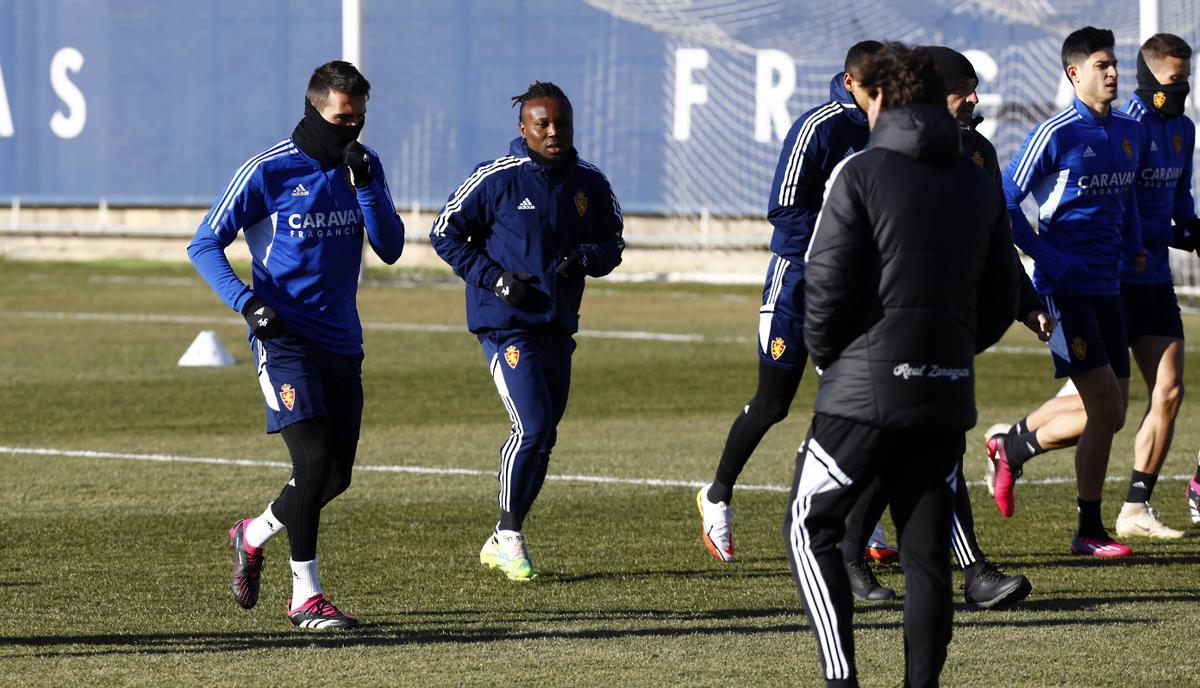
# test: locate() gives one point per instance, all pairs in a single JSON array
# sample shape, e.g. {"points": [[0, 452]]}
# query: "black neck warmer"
{"points": [[321, 140], [553, 166], [1166, 100]]}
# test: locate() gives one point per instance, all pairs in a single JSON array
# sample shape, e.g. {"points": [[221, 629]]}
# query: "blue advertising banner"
{"points": [[684, 104]]}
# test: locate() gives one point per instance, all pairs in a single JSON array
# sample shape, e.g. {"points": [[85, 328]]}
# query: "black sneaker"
{"points": [[319, 612], [247, 567], [991, 588], [863, 584]]}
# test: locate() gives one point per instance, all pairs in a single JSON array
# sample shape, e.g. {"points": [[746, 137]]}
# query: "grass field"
{"points": [[113, 571]]}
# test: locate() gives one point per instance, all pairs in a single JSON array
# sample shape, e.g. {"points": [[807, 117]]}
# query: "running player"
{"points": [[303, 205], [523, 231], [1081, 166]]}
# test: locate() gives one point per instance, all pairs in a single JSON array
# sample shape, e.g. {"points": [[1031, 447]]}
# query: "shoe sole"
{"points": [[712, 547], [1099, 555], [1011, 499], [1143, 533], [1006, 599], [494, 563], [997, 429], [882, 556]]}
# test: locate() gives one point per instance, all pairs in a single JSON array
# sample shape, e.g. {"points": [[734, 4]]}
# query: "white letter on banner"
{"points": [[771, 96], [6, 124], [67, 126], [688, 92]]}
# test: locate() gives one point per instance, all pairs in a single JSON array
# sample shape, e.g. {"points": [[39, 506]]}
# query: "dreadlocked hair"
{"points": [[539, 89]]}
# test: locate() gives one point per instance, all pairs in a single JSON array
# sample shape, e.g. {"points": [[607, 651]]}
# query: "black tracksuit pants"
{"points": [[838, 460], [865, 514]]}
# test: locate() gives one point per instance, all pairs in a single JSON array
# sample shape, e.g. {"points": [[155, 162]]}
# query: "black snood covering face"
{"points": [[321, 140], [1166, 100]]}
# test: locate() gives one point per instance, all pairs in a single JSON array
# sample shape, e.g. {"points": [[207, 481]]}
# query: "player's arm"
{"points": [[1187, 228], [603, 255], [385, 229], [1032, 164], [241, 205], [835, 264], [798, 177], [999, 287], [458, 231]]}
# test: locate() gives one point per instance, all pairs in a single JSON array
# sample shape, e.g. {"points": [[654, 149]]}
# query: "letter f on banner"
{"points": [[6, 123], [688, 92]]}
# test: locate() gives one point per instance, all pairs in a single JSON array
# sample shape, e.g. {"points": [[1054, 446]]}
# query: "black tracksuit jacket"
{"points": [[910, 273]]}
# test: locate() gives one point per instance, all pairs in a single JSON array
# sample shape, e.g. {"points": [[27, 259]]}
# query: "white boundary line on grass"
{"points": [[431, 470], [676, 337]]}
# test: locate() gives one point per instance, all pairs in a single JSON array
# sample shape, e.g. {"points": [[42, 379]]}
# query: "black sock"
{"points": [[1141, 485], [1020, 427], [1022, 447], [719, 492], [1090, 524], [509, 521]]}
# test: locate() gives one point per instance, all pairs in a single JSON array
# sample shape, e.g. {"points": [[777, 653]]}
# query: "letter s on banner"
{"points": [[70, 125]]}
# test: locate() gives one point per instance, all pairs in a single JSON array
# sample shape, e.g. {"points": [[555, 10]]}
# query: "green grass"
{"points": [[113, 572]]}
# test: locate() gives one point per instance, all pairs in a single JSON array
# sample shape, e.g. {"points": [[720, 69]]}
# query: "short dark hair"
{"points": [[906, 75], [1083, 42], [858, 53], [1164, 45], [538, 89], [339, 76]]}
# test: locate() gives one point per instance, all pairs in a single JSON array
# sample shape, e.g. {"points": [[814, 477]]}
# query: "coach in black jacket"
{"points": [[911, 273]]}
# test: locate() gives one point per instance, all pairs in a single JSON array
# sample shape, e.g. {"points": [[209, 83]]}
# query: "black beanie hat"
{"points": [[954, 67]]}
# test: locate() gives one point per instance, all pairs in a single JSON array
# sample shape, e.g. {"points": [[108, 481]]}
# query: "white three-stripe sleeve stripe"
{"points": [[455, 203], [1037, 145], [781, 266], [238, 182], [791, 175], [219, 215]]}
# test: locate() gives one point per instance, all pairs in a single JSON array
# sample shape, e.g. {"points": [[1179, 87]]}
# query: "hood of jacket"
{"points": [[924, 131], [838, 92]]}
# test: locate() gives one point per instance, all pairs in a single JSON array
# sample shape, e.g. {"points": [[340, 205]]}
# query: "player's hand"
{"points": [[572, 265], [358, 164], [1042, 324], [264, 322], [514, 288], [1188, 236], [1139, 261]]}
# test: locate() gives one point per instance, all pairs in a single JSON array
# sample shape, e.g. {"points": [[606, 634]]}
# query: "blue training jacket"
{"points": [[513, 214], [1081, 171], [816, 143], [304, 226], [1164, 188]]}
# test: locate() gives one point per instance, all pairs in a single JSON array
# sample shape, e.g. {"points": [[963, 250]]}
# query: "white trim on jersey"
{"points": [[242, 176], [791, 174], [508, 453], [1038, 142], [766, 313], [958, 535], [819, 474], [455, 202], [1048, 205], [825, 197]]}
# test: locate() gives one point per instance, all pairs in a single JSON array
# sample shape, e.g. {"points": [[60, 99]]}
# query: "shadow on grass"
{"points": [[1054, 560], [453, 630]]}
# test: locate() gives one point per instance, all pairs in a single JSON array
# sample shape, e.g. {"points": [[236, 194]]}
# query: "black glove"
{"points": [[264, 322], [358, 165], [571, 265], [1187, 237], [513, 288]]}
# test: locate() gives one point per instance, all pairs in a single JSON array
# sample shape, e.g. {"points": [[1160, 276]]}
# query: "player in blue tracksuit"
{"points": [[523, 231], [1081, 166], [1149, 306], [819, 140], [303, 205]]}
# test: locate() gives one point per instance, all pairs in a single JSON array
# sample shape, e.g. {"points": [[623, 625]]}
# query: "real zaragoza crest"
{"points": [[977, 158], [287, 394], [777, 348], [1079, 348], [580, 202], [511, 356], [1160, 99], [1127, 146], [1178, 143]]}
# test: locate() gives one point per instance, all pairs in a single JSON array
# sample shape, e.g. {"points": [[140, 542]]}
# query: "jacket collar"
{"points": [[1087, 116], [517, 148], [839, 94]]}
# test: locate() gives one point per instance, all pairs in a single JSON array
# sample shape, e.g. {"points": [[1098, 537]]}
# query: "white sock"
{"points": [[304, 582], [263, 528]]}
